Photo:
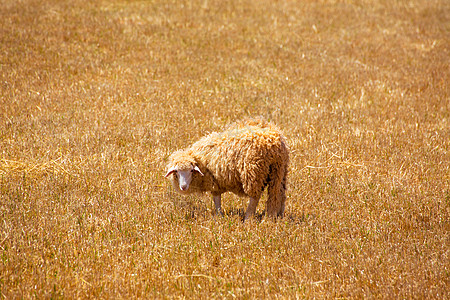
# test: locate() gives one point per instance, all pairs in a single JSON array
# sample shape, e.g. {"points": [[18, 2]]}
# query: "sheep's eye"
{"points": [[192, 171]]}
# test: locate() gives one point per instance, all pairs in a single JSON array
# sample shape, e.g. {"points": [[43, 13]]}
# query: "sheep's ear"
{"points": [[171, 170], [198, 170]]}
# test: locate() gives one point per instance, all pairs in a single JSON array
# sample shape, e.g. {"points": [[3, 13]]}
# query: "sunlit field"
{"points": [[95, 96]]}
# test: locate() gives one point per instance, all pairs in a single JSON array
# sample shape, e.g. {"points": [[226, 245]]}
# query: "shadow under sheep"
{"points": [[194, 208]]}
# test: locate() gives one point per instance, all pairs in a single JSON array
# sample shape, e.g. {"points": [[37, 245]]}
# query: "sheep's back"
{"points": [[227, 155]]}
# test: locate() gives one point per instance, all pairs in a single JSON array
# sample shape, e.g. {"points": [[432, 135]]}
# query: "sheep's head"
{"points": [[182, 172]]}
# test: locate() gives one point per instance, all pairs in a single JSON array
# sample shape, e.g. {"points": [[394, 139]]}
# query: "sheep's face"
{"points": [[182, 177]]}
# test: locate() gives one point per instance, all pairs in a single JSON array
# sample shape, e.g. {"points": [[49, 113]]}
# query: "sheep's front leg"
{"points": [[218, 204], [251, 209]]}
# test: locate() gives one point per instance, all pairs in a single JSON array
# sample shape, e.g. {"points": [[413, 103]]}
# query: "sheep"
{"points": [[245, 158]]}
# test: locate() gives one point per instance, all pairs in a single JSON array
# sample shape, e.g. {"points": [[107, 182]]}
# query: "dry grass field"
{"points": [[95, 95]]}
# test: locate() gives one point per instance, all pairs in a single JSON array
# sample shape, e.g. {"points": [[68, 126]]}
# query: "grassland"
{"points": [[94, 96]]}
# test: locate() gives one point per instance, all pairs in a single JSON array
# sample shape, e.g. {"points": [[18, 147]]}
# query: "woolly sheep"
{"points": [[245, 158]]}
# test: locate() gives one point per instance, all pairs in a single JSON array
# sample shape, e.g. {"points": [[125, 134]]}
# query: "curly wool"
{"points": [[245, 158]]}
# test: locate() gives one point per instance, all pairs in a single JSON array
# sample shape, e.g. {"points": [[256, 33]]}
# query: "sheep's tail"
{"points": [[283, 193], [276, 190]]}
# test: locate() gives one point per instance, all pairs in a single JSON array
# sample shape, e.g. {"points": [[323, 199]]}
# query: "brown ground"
{"points": [[94, 96]]}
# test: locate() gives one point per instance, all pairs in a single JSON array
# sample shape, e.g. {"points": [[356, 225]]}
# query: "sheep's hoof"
{"points": [[218, 213], [248, 218]]}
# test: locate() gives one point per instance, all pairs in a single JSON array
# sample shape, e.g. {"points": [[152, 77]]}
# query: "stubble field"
{"points": [[95, 95]]}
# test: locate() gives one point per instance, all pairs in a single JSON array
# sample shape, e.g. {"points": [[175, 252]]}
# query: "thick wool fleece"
{"points": [[245, 158]]}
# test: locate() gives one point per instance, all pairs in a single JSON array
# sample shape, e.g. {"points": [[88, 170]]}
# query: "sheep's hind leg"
{"points": [[283, 194], [218, 204], [251, 209]]}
